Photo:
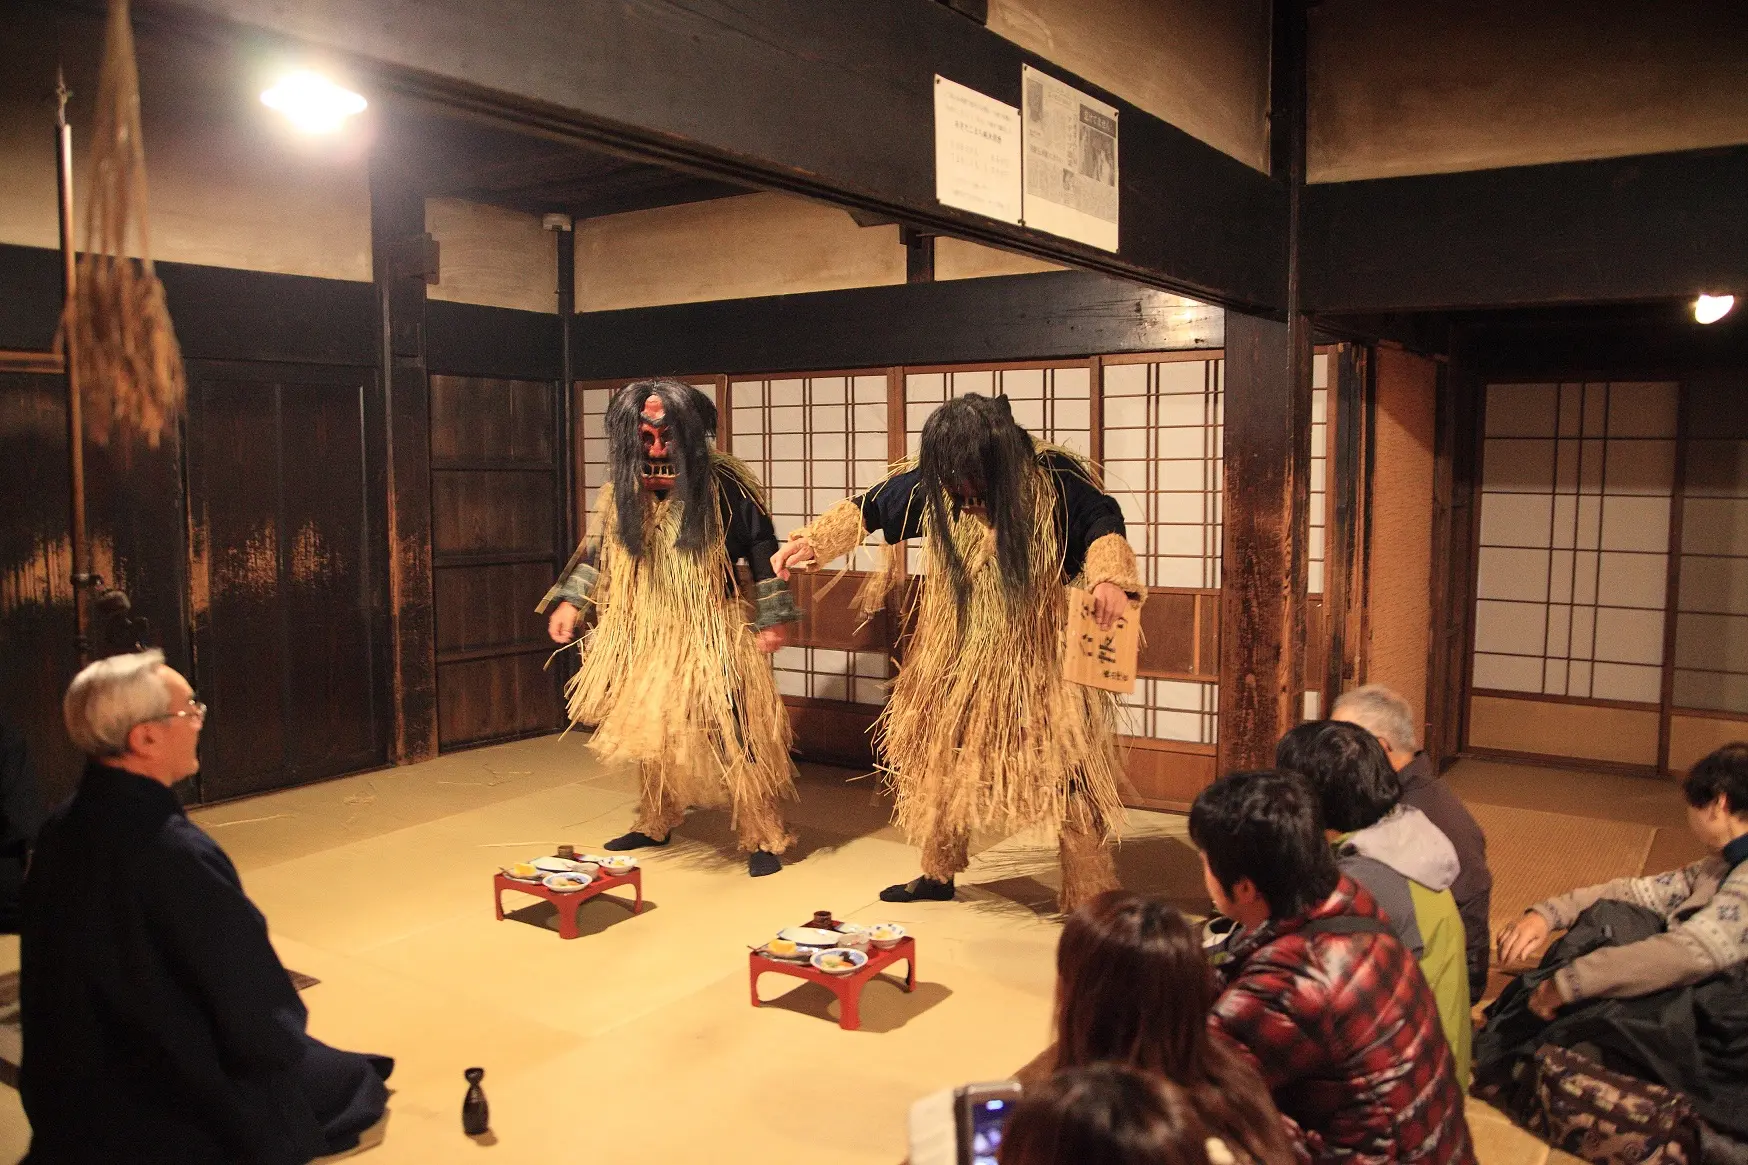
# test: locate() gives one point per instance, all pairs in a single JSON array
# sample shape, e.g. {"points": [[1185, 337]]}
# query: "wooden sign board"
{"points": [[1101, 659]]}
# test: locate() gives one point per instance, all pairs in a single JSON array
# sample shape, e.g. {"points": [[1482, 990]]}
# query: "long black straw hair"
{"points": [[972, 444], [691, 420]]}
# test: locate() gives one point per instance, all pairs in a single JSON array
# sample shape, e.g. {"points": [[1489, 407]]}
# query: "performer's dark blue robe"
{"points": [[159, 1024]]}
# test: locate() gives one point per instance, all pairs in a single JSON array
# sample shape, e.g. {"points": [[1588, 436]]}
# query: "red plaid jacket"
{"points": [[1345, 1031]]}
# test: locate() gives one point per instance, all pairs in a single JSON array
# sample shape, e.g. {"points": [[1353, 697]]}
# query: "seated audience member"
{"points": [[160, 1024], [1109, 1115], [1388, 717], [1652, 974], [1133, 987], [1396, 853], [1317, 990]]}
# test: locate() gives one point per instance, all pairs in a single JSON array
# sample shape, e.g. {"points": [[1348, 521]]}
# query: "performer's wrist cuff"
{"points": [[775, 604], [576, 589]]}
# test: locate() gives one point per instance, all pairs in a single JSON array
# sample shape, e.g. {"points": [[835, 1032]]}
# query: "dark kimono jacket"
{"points": [[1084, 513], [159, 1024]]}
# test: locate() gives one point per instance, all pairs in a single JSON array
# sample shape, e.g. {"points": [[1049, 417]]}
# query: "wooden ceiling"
{"points": [[462, 158]]}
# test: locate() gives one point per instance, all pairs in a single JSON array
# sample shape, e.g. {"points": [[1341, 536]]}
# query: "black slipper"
{"points": [[761, 862], [924, 889], [636, 840]]}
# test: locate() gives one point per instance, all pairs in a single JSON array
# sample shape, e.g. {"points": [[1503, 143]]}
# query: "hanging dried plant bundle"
{"points": [[116, 327]]}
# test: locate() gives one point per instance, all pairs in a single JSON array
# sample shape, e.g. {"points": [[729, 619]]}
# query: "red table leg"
{"points": [[849, 1004], [567, 915], [498, 899]]}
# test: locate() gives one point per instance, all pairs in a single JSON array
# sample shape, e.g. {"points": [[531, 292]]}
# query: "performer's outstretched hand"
{"points": [[562, 626], [796, 554], [1109, 601], [771, 638]]}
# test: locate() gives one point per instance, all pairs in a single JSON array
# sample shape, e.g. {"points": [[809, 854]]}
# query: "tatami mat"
{"points": [[1535, 855], [636, 1040]]}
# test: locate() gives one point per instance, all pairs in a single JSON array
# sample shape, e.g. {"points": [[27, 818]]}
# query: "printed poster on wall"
{"points": [[1070, 165], [977, 152]]}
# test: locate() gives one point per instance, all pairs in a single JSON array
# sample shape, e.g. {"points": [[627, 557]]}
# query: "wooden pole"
{"points": [[75, 420]]}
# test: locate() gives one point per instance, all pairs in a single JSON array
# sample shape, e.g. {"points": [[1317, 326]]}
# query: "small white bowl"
{"points": [[857, 960], [886, 935], [615, 866], [568, 883]]}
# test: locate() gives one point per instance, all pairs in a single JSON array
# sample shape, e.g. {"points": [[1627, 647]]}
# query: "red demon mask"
{"points": [[658, 464]]}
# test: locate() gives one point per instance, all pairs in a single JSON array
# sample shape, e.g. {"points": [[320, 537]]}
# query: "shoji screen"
{"points": [[813, 441], [1162, 443], [1710, 689], [1052, 401], [1577, 484], [1163, 465]]}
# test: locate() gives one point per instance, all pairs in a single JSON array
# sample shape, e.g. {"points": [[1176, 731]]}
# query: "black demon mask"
{"points": [[975, 459]]}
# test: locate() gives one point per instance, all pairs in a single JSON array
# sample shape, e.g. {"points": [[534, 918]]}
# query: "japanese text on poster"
{"points": [[977, 152], [1070, 165]]}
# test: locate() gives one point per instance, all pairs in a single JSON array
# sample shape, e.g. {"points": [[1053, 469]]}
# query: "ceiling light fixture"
{"points": [[1709, 309], [312, 102]]}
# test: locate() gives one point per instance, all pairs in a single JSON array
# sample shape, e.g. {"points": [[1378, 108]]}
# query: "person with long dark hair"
{"points": [[1134, 987], [982, 729], [671, 676], [1111, 1115]]}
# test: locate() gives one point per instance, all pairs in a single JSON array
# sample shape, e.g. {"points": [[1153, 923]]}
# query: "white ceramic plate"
{"points": [[807, 936], [553, 865], [566, 883], [856, 959], [534, 877]]}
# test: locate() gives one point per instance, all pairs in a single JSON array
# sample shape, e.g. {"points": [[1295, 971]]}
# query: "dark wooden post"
{"points": [[404, 258], [1267, 449], [919, 255]]}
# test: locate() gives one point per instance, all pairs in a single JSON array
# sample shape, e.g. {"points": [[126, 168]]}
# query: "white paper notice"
{"points": [[977, 152], [1070, 163]]}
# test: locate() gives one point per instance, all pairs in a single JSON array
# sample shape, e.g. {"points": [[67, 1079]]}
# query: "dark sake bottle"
{"points": [[476, 1115]]}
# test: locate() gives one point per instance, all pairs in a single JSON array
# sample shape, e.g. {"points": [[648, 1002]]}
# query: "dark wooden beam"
{"points": [[1649, 227], [468, 339], [1650, 341], [1012, 317], [829, 100], [219, 313], [398, 253], [1267, 465]]}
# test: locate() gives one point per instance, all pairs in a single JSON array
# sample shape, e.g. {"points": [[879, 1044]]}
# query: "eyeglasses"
{"points": [[195, 709]]}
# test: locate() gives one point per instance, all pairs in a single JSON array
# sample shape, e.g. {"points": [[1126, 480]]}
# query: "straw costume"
{"points": [[981, 728], [672, 677]]}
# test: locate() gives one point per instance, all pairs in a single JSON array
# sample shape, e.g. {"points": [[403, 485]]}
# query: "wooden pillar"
{"points": [[919, 255], [1262, 587], [404, 258], [1267, 450]]}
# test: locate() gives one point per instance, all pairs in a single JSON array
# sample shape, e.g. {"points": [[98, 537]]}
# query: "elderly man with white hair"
{"points": [[1388, 717], [159, 1024]]}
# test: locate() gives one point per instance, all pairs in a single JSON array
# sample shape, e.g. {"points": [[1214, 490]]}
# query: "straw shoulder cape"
{"points": [[670, 675], [981, 728]]}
